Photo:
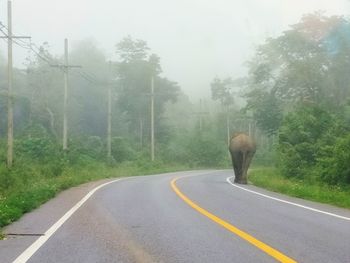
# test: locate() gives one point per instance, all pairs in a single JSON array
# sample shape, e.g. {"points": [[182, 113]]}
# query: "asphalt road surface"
{"points": [[199, 217]]}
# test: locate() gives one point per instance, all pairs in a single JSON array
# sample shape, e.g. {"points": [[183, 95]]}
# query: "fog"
{"points": [[157, 86], [196, 40]]}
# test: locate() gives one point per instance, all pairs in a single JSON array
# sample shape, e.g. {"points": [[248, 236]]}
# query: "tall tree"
{"points": [[222, 90], [44, 90], [135, 69], [88, 89], [306, 63]]}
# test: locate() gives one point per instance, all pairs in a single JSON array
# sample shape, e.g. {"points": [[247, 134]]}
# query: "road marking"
{"points": [[28, 253], [287, 202], [252, 240]]}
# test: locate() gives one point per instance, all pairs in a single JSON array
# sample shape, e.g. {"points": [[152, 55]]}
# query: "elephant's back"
{"points": [[242, 142]]}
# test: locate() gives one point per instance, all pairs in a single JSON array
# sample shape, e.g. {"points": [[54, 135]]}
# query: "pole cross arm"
{"points": [[65, 66], [16, 37]]}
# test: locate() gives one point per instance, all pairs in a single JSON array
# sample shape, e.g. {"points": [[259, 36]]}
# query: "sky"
{"points": [[196, 40]]}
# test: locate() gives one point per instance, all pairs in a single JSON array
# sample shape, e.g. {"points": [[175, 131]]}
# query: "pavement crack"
{"points": [[24, 234]]}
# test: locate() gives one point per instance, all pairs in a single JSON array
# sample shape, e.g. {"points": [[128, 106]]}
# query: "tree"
{"points": [[266, 110], [134, 70], [302, 134], [88, 89], [132, 50], [222, 90], [307, 63], [225, 91], [297, 65], [44, 90]]}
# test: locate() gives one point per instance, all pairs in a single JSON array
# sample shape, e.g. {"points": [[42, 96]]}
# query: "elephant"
{"points": [[242, 149]]}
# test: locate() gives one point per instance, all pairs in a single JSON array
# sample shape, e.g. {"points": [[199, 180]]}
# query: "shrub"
{"points": [[300, 139], [333, 164], [122, 150], [39, 149], [206, 151]]}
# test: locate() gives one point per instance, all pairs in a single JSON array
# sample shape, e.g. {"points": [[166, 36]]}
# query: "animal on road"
{"points": [[242, 148]]}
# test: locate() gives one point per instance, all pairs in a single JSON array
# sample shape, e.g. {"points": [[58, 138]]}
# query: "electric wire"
{"points": [[40, 53]]}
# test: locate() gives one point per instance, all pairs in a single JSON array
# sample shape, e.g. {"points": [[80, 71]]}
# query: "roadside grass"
{"points": [[28, 191], [270, 178]]}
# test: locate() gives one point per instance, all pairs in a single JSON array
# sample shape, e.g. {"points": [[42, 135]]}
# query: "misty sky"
{"points": [[196, 39]]}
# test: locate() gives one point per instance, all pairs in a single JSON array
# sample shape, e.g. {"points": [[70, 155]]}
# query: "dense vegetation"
{"points": [[298, 96], [299, 91]]}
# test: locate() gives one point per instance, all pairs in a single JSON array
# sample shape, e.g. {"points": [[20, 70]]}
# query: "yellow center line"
{"points": [[252, 240]]}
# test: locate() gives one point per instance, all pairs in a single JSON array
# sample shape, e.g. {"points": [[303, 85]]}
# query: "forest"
{"points": [[294, 100]]}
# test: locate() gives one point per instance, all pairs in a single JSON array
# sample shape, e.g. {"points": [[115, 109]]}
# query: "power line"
{"points": [[38, 51], [21, 43]]}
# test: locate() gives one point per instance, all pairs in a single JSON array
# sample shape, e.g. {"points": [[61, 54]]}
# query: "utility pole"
{"points": [[201, 114], [152, 118], [10, 38], [9, 89], [228, 125], [141, 133], [109, 117], [65, 96], [65, 69]]}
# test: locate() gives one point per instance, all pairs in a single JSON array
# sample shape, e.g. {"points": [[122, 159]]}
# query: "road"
{"points": [[200, 217]]}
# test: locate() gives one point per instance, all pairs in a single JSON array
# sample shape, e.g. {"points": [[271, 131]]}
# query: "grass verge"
{"points": [[28, 192], [270, 179]]}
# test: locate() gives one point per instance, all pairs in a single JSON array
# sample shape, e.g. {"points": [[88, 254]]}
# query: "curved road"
{"points": [[200, 218]]}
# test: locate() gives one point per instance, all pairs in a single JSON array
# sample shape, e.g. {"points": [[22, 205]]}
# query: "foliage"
{"points": [[300, 139], [306, 63], [206, 151], [298, 89], [196, 149], [135, 71], [222, 90], [266, 109], [333, 162], [88, 90], [122, 150]]}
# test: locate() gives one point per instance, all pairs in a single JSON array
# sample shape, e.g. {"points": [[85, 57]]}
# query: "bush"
{"points": [[122, 150], [39, 149], [266, 155], [206, 151], [94, 147], [84, 149], [333, 164], [301, 138], [176, 150]]}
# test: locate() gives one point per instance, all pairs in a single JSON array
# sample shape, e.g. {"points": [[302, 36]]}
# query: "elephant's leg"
{"points": [[247, 160], [234, 165], [243, 177], [237, 163]]}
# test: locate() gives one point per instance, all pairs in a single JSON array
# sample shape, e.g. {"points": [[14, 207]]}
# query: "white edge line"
{"points": [[287, 202], [28, 253]]}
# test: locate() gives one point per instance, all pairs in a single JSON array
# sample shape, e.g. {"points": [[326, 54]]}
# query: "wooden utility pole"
{"points": [[141, 133], [152, 118], [228, 126], [109, 117], [10, 38], [65, 69], [65, 96], [201, 114], [9, 89]]}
